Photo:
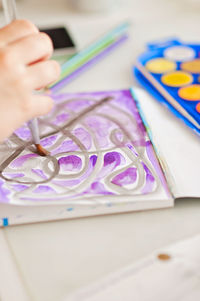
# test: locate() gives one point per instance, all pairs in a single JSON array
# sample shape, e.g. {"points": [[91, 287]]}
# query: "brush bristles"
{"points": [[41, 151]]}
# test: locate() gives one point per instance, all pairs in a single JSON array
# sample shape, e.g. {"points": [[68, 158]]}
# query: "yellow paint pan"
{"points": [[160, 65], [177, 79], [190, 93]]}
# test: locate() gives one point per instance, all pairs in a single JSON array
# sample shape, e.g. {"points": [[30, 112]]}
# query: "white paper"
{"points": [[178, 146], [103, 175]]}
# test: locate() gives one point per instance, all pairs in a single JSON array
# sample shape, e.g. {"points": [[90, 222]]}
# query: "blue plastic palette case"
{"points": [[170, 71]]}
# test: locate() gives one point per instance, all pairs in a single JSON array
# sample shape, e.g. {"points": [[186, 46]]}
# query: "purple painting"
{"points": [[99, 151]]}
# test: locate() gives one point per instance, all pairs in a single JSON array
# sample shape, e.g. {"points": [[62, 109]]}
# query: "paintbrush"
{"points": [[10, 11]]}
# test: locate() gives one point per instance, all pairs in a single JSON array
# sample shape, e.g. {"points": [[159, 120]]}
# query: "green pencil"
{"points": [[85, 59], [91, 51]]}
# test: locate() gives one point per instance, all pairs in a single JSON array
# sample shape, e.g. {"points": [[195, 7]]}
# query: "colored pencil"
{"points": [[114, 33], [87, 57], [91, 51], [88, 64]]}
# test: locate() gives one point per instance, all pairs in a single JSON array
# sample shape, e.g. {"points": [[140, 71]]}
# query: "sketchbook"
{"points": [[110, 152]]}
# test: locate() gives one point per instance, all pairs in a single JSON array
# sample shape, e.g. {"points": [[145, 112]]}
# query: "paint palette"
{"points": [[171, 72]]}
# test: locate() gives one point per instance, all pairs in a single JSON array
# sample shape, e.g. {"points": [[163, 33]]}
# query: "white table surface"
{"points": [[56, 258]]}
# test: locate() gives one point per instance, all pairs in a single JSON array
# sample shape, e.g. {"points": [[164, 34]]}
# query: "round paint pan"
{"points": [[191, 66], [198, 107], [190, 93], [179, 53], [160, 65], [177, 79]]}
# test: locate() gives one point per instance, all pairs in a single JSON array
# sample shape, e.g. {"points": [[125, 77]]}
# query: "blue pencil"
{"points": [[114, 33]]}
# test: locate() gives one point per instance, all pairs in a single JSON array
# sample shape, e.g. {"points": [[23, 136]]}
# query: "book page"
{"points": [[177, 146], [100, 153]]}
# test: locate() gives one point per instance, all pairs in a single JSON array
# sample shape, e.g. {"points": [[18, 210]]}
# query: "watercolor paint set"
{"points": [[170, 71]]}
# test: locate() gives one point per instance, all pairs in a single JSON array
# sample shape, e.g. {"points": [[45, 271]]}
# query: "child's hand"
{"points": [[24, 67]]}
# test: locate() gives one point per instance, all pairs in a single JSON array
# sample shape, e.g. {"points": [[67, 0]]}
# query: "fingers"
{"points": [[31, 49], [16, 30], [42, 74], [38, 105]]}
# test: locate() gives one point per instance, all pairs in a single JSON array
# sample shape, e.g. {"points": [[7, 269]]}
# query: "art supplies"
{"points": [[63, 42], [170, 71], [90, 55], [102, 160], [95, 59]]}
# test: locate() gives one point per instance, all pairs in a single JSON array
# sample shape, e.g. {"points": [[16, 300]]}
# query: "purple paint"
{"points": [[126, 177], [98, 135], [111, 161], [70, 163], [44, 189], [119, 135], [132, 149], [49, 141], [92, 163], [66, 183], [23, 133], [13, 175], [150, 180], [74, 182], [112, 157], [39, 173], [93, 160], [98, 188], [22, 159], [4, 193], [66, 146], [79, 105], [61, 118], [99, 124], [19, 187], [154, 161], [84, 137], [130, 106], [101, 127]]}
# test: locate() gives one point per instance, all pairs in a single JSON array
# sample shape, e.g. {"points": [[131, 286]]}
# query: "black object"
{"points": [[60, 37]]}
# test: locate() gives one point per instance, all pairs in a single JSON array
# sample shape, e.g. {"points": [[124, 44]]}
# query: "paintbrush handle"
{"points": [[33, 126]]}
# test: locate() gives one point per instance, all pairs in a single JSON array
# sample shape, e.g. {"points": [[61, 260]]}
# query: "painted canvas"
{"points": [[100, 152]]}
